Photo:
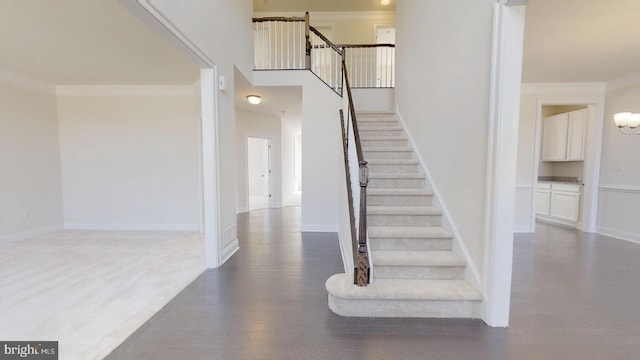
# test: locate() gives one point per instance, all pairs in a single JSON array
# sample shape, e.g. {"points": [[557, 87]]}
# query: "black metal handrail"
{"points": [[362, 266]]}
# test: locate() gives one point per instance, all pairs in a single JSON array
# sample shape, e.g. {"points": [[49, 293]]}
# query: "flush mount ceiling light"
{"points": [[385, 2], [627, 123], [254, 99]]}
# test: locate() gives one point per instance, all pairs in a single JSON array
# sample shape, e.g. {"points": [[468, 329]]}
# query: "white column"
{"points": [[211, 221], [506, 74]]}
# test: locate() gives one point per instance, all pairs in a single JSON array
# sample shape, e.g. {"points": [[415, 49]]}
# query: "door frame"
{"points": [[269, 164], [592, 156]]}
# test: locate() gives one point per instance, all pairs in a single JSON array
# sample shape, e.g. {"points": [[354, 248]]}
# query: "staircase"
{"points": [[415, 273]]}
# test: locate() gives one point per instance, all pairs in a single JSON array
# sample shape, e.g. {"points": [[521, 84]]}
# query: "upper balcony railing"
{"points": [[291, 43]]}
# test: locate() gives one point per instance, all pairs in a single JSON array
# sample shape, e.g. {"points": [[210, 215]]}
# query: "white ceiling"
{"points": [[82, 42], [321, 5], [85, 42], [581, 40], [276, 100]]}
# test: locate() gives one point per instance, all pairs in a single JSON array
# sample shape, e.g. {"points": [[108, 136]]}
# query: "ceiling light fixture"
{"points": [[385, 2], [627, 123], [254, 99]]}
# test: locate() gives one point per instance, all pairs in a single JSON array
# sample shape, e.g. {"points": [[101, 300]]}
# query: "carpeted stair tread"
{"points": [[396, 176], [341, 285], [387, 149], [403, 210], [416, 258], [392, 162], [399, 192], [409, 232]]}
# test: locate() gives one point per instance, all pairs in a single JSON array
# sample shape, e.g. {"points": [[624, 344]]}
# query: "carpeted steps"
{"points": [[415, 273]]}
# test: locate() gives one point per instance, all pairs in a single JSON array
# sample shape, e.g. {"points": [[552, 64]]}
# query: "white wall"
{"points": [[322, 161], [252, 124], [29, 163], [443, 60], [534, 96], [620, 173], [130, 162], [291, 128], [223, 32]]}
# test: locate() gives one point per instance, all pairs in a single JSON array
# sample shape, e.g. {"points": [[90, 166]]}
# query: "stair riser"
{"points": [[405, 309], [383, 143], [380, 132], [410, 244], [419, 272], [393, 168], [388, 155], [364, 124], [403, 220], [396, 183], [399, 200]]}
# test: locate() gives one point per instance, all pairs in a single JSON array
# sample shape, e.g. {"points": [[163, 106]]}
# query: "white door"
{"points": [[385, 57], [258, 173]]}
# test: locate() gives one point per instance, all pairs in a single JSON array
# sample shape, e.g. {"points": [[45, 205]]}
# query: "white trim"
{"points": [[132, 227], [126, 90], [231, 248], [629, 80], [319, 228], [471, 271], [524, 186], [504, 110], [210, 166], [557, 221], [593, 156], [629, 189], [332, 15], [30, 233], [622, 235], [157, 20], [242, 210], [594, 88], [16, 80]]}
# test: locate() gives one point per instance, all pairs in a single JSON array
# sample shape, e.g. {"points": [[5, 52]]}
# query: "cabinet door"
{"points": [[576, 134], [565, 205], [543, 202], [554, 137]]}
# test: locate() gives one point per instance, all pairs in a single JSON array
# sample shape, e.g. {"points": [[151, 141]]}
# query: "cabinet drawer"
{"points": [[566, 187], [544, 186]]}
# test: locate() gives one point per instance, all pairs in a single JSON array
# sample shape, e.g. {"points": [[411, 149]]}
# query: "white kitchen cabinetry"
{"points": [[543, 199], [563, 136], [558, 203], [576, 132]]}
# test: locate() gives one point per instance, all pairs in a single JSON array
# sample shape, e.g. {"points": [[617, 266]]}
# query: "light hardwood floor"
{"points": [[575, 296], [90, 290]]}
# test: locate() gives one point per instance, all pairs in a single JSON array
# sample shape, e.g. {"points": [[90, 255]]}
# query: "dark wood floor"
{"points": [[575, 296]]}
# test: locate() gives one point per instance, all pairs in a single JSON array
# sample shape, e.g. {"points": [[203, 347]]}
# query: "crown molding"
{"points": [[623, 82], [128, 90], [333, 15], [16, 80], [595, 88]]}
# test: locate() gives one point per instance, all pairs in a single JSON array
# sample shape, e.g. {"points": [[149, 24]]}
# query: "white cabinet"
{"points": [[554, 137], [563, 136], [558, 202], [576, 132], [543, 199]]}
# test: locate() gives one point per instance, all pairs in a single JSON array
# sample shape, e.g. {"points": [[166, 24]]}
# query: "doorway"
{"points": [[385, 56], [259, 172]]}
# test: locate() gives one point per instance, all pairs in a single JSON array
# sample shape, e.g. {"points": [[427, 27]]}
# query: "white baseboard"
{"points": [[133, 227], [29, 233], [229, 249], [556, 221], [622, 235], [319, 228]]}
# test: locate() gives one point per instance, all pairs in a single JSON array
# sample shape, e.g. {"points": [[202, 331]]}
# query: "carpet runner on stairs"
{"points": [[415, 272]]}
